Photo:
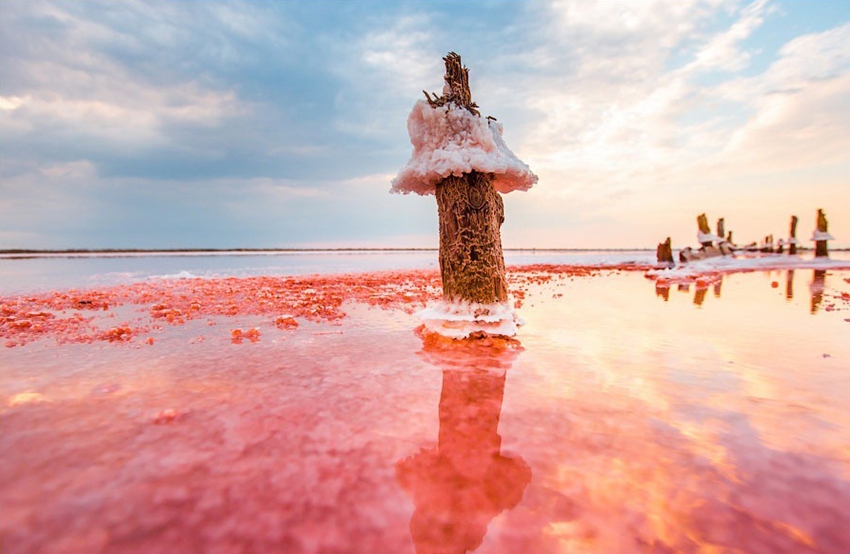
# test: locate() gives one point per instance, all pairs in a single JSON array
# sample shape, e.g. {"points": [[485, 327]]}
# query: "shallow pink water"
{"points": [[708, 417]]}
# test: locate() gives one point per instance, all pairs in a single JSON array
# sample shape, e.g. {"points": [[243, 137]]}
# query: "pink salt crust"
{"points": [[381, 440], [85, 316]]}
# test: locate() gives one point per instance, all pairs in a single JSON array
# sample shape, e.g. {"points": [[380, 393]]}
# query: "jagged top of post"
{"points": [[823, 226], [450, 137], [456, 90], [821, 231]]}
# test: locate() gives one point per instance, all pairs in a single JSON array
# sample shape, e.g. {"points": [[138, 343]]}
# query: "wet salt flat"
{"points": [[702, 412], [26, 273]]}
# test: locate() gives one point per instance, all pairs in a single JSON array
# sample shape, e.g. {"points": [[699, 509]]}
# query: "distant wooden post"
{"points": [[664, 253], [471, 213], [792, 236], [702, 223], [822, 231], [724, 245]]}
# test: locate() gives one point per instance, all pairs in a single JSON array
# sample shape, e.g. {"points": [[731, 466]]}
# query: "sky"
{"points": [[203, 124]]}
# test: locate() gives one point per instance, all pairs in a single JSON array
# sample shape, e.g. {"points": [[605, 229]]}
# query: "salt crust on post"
{"points": [[448, 140]]}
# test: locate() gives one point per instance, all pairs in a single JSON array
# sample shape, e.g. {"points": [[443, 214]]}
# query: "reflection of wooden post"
{"points": [[699, 296], [462, 484], [820, 245], [792, 236], [471, 212], [702, 223], [816, 288], [789, 285]]}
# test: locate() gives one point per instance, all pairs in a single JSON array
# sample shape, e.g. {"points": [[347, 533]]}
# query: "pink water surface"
{"points": [[310, 414]]}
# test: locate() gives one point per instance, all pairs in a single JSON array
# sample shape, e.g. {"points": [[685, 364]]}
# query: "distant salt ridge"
{"points": [[451, 141], [176, 276], [730, 264]]}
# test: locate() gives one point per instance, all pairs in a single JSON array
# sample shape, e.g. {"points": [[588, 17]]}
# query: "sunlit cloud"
{"points": [[636, 116]]}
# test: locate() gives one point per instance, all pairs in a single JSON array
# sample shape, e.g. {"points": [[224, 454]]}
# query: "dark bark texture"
{"points": [[471, 213], [702, 223], [664, 252], [820, 245], [792, 248], [472, 265]]}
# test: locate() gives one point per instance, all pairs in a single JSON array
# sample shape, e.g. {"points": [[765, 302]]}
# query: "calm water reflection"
{"points": [[635, 418], [460, 485]]}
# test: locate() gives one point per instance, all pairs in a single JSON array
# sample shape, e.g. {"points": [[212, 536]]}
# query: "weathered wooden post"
{"points": [[723, 244], [704, 235], [706, 240], [792, 236], [821, 235], [463, 160], [664, 253]]}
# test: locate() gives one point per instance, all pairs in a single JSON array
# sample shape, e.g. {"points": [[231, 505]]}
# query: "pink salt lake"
{"points": [[307, 414]]}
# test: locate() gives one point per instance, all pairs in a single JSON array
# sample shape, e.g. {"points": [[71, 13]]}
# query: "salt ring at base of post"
{"points": [[821, 235], [460, 320]]}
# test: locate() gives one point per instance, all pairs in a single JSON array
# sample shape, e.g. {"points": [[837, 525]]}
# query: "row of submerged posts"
{"points": [[721, 243]]}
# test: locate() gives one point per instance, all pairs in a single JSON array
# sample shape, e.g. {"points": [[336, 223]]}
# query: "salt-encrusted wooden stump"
{"points": [[463, 160], [821, 235], [707, 239], [723, 244], [704, 235], [792, 236], [664, 253], [472, 265]]}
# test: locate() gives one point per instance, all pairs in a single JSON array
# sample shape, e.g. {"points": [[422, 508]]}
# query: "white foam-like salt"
{"points": [[448, 140], [708, 237], [731, 264], [821, 235], [459, 320], [179, 275]]}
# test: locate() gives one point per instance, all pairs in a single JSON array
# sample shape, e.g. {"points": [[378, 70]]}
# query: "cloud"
{"points": [[269, 123], [723, 50]]}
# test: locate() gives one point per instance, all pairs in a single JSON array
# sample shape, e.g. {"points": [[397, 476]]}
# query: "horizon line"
{"points": [[16, 251]]}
